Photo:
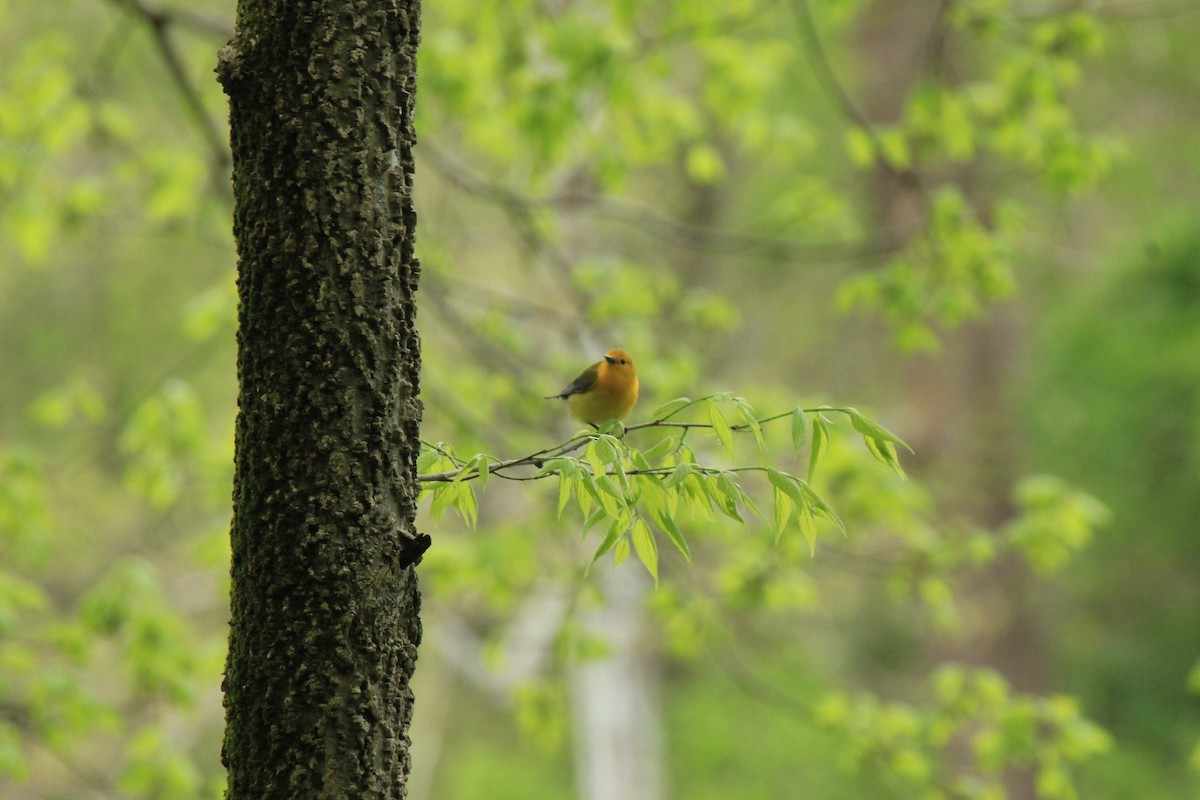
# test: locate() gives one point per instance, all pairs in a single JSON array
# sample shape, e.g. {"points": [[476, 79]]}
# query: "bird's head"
{"points": [[620, 361]]}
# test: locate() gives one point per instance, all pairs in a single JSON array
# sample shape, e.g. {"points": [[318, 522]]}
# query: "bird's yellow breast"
{"points": [[613, 396]]}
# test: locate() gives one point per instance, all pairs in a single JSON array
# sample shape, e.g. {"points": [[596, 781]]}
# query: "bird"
{"points": [[606, 390]]}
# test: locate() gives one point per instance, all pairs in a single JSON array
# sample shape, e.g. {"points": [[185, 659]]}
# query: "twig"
{"points": [[182, 18], [757, 688], [713, 240], [538, 458], [658, 224], [533, 459], [160, 23], [519, 209], [832, 86]]}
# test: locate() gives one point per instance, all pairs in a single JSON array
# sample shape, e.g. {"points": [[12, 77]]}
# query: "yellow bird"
{"points": [[606, 390]]}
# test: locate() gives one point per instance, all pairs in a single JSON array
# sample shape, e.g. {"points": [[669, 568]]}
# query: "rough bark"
{"points": [[324, 627]]}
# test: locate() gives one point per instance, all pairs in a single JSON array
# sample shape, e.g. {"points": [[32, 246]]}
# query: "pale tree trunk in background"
{"points": [[325, 627], [615, 705]]}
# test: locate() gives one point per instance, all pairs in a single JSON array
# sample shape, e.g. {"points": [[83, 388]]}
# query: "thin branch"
{"points": [[519, 209], [471, 337], [666, 228], [832, 86], [185, 19], [443, 452], [538, 458], [757, 688], [533, 460], [161, 22], [181, 18], [774, 248]]}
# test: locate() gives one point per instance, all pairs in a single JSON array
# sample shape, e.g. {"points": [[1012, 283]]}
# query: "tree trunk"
{"points": [[615, 706], [324, 627]]}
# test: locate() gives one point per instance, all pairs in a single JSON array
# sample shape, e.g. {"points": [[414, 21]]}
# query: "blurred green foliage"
{"points": [[699, 183], [1123, 361]]}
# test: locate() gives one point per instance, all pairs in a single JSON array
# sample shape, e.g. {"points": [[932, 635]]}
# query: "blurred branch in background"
{"points": [[162, 22], [652, 220]]}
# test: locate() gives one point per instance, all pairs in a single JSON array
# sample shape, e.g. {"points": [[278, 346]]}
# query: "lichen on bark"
{"points": [[324, 618]]}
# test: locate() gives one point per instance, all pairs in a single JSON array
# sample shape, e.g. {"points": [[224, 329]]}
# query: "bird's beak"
{"points": [[610, 359]]}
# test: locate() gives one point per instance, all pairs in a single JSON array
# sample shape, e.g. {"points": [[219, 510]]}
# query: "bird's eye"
{"points": [[622, 361]]}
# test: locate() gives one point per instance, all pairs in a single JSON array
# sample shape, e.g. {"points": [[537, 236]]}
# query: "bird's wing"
{"points": [[585, 381]]}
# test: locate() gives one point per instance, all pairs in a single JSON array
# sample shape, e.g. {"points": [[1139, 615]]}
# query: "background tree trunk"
{"points": [[325, 626], [616, 710]]}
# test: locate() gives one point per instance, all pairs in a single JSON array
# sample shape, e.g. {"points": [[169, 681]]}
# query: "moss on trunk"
{"points": [[325, 625]]}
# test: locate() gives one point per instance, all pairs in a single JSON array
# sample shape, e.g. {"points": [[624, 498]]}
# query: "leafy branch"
{"points": [[639, 492]]}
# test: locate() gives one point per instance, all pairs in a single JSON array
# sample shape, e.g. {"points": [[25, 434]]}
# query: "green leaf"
{"points": [[670, 408], [808, 527], [651, 492], [606, 448], [610, 539], [786, 484], [799, 428], [729, 495], [783, 511], [873, 429], [426, 459], [750, 421], [661, 506], [483, 466], [619, 471], [443, 498], [645, 546], [590, 522], [820, 440], [470, 468], [720, 426], [621, 552], [465, 504], [592, 454], [613, 429], [818, 506], [679, 474], [558, 464], [667, 523], [885, 452], [661, 448], [610, 495], [748, 503], [696, 493], [591, 492], [608, 486], [565, 485]]}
